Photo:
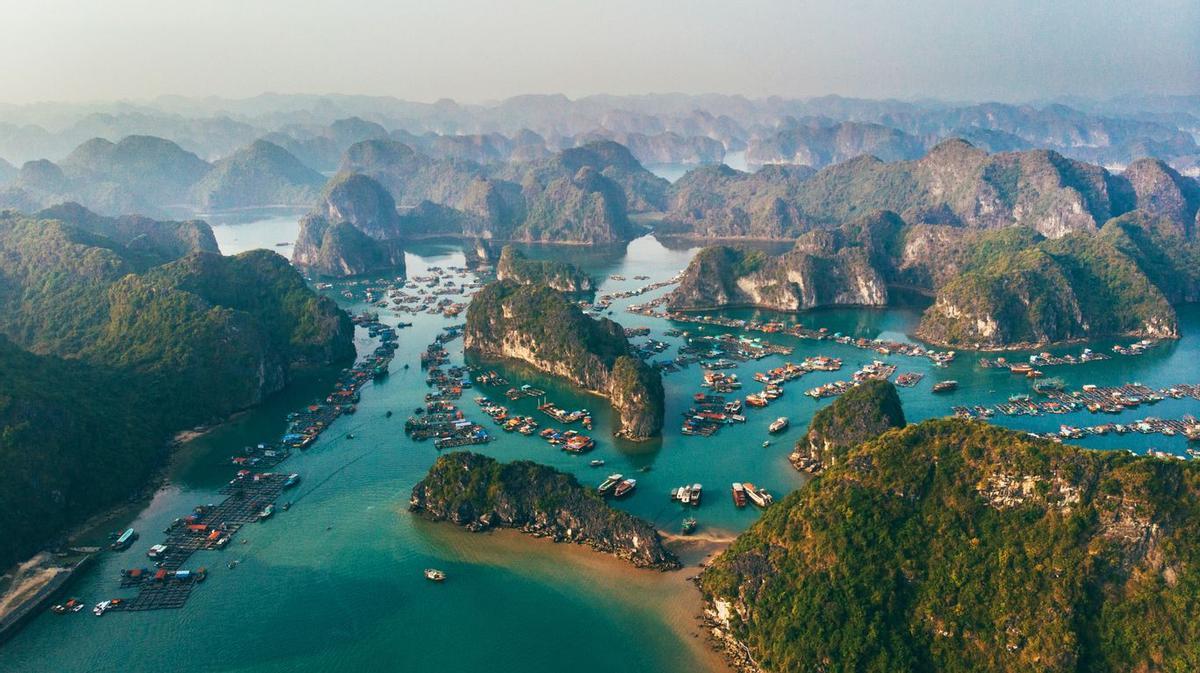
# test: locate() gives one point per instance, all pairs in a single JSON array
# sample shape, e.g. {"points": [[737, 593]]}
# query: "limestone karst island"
{"points": [[533, 337]]}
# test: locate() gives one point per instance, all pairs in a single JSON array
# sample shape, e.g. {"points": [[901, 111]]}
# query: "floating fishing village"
{"points": [[722, 398], [252, 495]]}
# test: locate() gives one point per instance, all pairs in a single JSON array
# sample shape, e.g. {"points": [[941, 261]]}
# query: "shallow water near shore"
{"points": [[334, 584]]}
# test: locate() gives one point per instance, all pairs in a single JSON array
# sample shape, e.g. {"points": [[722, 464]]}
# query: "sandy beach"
{"points": [[670, 595]]}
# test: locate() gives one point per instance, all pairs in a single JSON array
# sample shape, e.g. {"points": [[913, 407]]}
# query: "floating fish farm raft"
{"points": [[250, 496]]}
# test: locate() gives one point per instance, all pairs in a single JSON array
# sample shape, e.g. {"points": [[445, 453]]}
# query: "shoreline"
{"points": [[672, 596], [34, 590]]}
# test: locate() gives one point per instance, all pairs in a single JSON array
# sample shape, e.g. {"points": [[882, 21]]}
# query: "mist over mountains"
{"points": [[658, 128]]}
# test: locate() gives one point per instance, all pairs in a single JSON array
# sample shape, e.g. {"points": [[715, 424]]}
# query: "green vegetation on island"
{"points": [[480, 493], [541, 327], [954, 545], [112, 344], [863, 412], [515, 266], [991, 289]]}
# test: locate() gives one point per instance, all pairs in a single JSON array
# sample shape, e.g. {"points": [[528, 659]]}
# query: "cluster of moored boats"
{"points": [[570, 441], [439, 291], [881, 346], [617, 486], [876, 370], [745, 491]]}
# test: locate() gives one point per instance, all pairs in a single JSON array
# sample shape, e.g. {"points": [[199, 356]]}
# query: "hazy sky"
{"points": [[473, 50]]}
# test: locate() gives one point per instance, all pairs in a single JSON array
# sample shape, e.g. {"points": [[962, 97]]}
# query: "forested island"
{"points": [[480, 493], [540, 327], [118, 332], [990, 289], [955, 545], [873, 211], [513, 265]]}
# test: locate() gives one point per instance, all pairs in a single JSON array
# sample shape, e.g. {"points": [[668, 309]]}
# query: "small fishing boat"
{"points": [[435, 575], [72, 605], [599, 462], [105, 606], [945, 386], [689, 525], [778, 425]]}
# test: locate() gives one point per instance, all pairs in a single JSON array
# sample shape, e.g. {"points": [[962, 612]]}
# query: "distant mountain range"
{"points": [[667, 128]]}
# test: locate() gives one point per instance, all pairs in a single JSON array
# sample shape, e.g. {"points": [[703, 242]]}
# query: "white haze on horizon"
{"points": [[476, 50]]}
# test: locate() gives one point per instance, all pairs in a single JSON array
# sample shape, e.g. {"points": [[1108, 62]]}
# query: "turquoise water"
{"points": [[335, 583]]}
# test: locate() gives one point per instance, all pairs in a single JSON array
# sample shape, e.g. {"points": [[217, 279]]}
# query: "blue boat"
{"points": [[127, 538]]}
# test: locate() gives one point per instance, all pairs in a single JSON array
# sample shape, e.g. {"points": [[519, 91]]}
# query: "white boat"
{"points": [[759, 497], [695, 491], [610, 483], [778, 425], [102, 607], [435, 575]]}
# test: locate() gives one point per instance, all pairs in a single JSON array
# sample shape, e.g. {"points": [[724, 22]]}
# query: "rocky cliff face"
{"points": [[1161, 192], [516, 267], [716, 202], [795, 281], [411, 176], [340, 250], [636, 392], [954, 184], [863, 413], [479, 493], [1071, 288], [361, 201], [641, 190], [992, 289], [585, 207], [538, 326], [355, 230]]}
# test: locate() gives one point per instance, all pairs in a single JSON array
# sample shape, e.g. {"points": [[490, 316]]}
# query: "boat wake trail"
{"points": [[331, 475]]}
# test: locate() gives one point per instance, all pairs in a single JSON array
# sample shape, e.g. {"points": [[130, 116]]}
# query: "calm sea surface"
{"points": [[335, 583]]}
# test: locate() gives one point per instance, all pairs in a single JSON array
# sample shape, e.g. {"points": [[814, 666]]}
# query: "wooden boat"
{"points": [[739, 494], [945, 386]]}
